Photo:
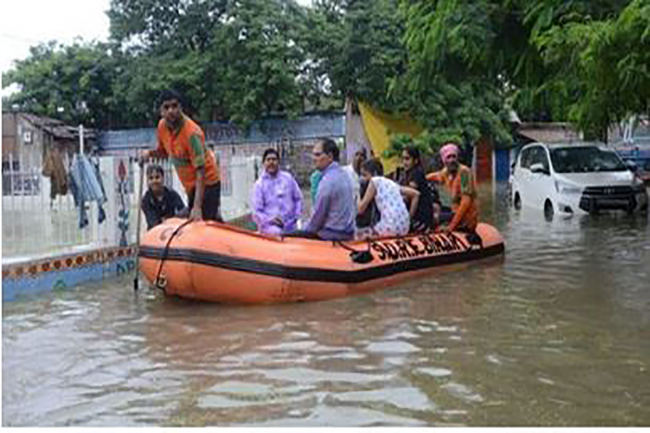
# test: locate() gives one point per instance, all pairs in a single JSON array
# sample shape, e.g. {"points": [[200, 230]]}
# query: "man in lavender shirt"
{"points": [[277, 199], [335, 209]]}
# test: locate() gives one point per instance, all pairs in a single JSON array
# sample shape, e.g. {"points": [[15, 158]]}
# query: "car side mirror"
{"points": [[631, 165], [539, 168]]}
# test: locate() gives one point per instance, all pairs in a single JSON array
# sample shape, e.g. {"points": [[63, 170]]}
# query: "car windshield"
{"points": [[584, 160]]}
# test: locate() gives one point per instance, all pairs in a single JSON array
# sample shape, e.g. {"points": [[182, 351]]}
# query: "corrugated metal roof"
{"points": [[57, 128], [549, 132]]}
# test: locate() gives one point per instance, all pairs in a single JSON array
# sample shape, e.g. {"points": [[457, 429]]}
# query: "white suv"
{"points": [[573, 179]]}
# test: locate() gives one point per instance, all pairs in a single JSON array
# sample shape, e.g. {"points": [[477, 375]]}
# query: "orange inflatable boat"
{"points": [[211, 261]]}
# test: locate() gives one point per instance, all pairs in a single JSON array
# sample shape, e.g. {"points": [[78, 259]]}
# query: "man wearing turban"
{"points": [[459, 182]]}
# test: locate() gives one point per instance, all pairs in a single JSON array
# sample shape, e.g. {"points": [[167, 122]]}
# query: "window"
{"points": [[524, 159], [585, 159], [14, 166], [538, 156]]}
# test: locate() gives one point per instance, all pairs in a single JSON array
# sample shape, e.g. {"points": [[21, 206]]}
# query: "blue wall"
{"points": [[641, 157], [502, 164], [221, 133], [28, 285]]}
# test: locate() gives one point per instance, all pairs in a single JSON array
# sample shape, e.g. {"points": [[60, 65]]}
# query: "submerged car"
{"points": [[574, 179]]}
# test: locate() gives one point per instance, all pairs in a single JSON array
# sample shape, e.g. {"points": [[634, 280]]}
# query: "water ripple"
{"points": [[554, 333]]}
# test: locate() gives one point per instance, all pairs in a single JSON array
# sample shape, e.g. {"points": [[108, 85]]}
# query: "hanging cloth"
{"points": [[86, 186], [54, 169], [379, 126]]}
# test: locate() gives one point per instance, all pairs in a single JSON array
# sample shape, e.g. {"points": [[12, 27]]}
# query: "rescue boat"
{"points": [[211, 261]]}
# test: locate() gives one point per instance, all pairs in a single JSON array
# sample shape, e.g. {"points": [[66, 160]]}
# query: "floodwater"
{"points": [[556, 333]]}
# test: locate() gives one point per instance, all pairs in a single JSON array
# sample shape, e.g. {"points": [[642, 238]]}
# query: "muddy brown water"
{"points": [[555, 333]]}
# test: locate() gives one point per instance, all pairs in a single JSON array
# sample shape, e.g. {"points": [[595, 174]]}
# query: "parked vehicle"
{"points": [[639, 161], [575, 179]]}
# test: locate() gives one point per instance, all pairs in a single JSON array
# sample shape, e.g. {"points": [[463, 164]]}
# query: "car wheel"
{"points": [[548, 210], [517, 201]]}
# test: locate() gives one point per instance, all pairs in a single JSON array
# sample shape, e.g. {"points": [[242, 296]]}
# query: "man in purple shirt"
{"points": [[335, 209], [277, 199]]}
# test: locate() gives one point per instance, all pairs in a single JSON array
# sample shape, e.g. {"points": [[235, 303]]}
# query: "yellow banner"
{"points": [[380, 126]]}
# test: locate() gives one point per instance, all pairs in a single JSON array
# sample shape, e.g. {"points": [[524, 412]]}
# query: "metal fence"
{"points": [[34, 226]]}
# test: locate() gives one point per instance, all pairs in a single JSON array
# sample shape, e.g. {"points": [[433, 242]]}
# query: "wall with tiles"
{"points": [[24, 279]]}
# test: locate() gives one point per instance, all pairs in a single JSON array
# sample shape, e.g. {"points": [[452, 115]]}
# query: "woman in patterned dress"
{"points": [[389, 198]]}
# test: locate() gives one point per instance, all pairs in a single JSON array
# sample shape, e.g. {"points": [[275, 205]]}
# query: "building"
{"points": [[26, 141], [26, 138]]}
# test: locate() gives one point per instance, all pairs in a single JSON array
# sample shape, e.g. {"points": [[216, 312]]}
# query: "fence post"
{"points": [[108, 226], [133, 202], [81, 139]]}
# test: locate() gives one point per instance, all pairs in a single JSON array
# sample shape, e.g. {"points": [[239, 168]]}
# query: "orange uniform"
{"points": [[186, 150], [462, 190]]}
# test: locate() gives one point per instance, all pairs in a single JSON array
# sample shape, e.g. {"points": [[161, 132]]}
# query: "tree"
{"points": [[604, 64], [451, 85], [235, 60], [162, 25], [72, 82], [456, 66], [232, 60], [470, 61], [357, 45]]}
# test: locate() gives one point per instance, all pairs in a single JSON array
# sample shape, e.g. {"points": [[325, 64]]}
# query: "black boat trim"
{"points": [[316, 274]]}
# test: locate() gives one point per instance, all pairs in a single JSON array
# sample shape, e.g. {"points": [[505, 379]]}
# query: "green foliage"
{"points": [[603, 65], [234, 60], [164, 25], [469, 62], [356, 47], [451, 85], [71, 82], [423, 142], [533, 95], [455, 66]]}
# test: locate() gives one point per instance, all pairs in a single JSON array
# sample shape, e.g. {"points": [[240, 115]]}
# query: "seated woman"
{"points": [[413, 176], [388, 196]]}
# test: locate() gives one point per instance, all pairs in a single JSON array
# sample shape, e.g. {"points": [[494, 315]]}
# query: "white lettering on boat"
{"points": [[419, 246]]}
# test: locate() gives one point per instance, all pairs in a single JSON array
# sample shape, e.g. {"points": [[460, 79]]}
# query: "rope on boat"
{"points": [[162, 283], [357, 256]]}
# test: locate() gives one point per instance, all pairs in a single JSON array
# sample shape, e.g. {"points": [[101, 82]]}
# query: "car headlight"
{"points": [[638, 185], [567, 188]]}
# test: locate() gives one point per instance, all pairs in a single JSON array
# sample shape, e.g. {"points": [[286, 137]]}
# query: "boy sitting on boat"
{"points": [[159, 202]]}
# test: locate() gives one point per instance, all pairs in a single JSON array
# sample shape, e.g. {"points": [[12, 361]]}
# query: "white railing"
{"points": [[34, 226]]}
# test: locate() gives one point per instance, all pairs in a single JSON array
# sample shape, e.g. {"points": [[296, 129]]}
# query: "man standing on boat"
{"points": [[461, 187], [277, 199], [335, 210], [183, 141], [354, 171]]}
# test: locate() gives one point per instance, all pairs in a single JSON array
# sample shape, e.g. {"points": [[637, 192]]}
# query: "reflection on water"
{"points": [[555, 333]]}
